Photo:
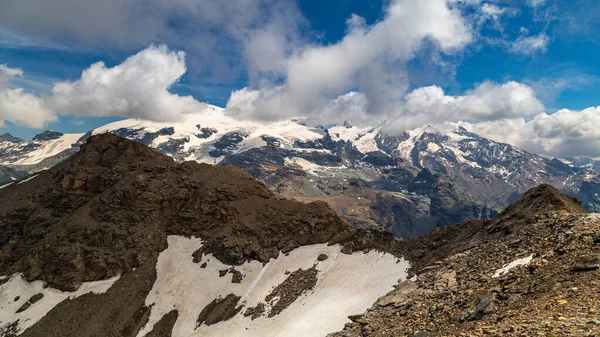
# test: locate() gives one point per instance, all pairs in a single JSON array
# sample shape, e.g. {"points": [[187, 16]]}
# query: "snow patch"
{"points": [[304, 164], [347, 285], [506, 268], [433, 147], [18, 286]]}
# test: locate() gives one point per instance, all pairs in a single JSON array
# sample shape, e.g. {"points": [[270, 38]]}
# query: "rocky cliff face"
{"points": [[8, 174]]}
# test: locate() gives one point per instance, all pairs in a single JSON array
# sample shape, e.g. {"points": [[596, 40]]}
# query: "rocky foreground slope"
{"points": [[532, 271]]}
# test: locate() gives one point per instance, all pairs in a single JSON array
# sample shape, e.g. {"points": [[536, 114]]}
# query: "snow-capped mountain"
{"points": [[120, 240], [43, 151], [410, 184], [495, 172], [582, 162]]}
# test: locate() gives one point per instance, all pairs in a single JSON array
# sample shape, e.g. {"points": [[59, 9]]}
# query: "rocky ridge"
{"points": [[533, 271]]}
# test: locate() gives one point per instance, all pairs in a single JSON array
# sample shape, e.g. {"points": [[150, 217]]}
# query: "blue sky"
{"points": [[50, 46]]}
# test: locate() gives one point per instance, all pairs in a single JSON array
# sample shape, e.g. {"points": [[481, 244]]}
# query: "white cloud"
{"points": [[371, 59], [528, 45], [217, 34], [492, 10], [536, 3], [19, 107], [138, 88], [564, 133], [487, 102]]}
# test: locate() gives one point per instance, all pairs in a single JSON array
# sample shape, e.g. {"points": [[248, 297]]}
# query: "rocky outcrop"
{"points": [[7, 137]]}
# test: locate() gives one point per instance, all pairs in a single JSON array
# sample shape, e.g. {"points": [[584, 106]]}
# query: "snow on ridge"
{"points": [[17, 286], [6, 185], [28, 179], [347, 285], [287, 131]]}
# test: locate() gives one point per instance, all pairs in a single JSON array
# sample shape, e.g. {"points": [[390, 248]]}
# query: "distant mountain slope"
{"points": [[410, 184], [8, 174]]}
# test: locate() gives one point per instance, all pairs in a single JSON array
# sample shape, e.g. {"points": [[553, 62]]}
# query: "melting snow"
{"points": [[347, 285], [506, 268], [17, 286]]}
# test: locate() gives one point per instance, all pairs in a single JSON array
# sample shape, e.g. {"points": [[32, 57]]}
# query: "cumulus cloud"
{"points": [[138, 87], [564, 133], [217, 34], [528, 45], [487, 102], [369, 59], [536, 3], [19, 107]]}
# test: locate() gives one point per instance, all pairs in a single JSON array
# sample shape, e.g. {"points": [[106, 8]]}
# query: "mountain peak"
{"points": [[537, 201], [7, 137], [48, 135], [543, 199]]}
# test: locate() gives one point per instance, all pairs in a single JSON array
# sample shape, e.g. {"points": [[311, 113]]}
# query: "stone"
{"points": [[588, 263], [485, 305], [30, 302], [322, 257]]}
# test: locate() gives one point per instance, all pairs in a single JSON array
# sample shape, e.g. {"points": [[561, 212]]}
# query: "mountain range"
{"points": [[121, 240], [408, 184]]}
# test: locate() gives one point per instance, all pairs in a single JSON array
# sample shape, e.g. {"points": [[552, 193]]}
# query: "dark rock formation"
{"points": [[220, 309], [48, 135]]}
